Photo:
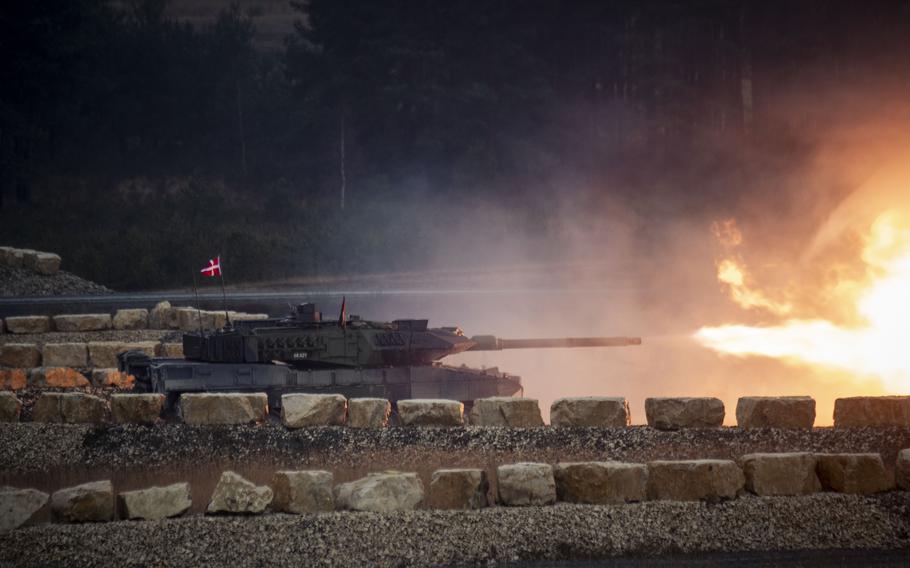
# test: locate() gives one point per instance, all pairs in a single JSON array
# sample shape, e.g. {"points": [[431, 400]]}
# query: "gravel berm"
{"points": [[15, 281], [502, 535]]}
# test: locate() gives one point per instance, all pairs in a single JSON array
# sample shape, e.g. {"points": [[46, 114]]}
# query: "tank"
{"points": [[349, 356]]}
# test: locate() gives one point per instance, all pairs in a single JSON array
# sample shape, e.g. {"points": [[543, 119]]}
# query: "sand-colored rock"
{"points": [[458, 489], [669, 413], [65, 355], [29, 258], [142, 408], [155, 503], [56, 377], [601, 483], [902, 470], [10, 407], [188, 319], [234, 494], [381, 492], [172, 350], [523, 484], [163, 316], [431, 412], [512, 412], [302, 492], [47, 263], [70, 408], [307, 410], [103, 354], [862, 474], [775, 412], [83, 322], [694, 480], [200, 409], [28, 324], [89, 502], [369, 412], [874, 411], [13, 379], [20, 355], [131, 319], [590, 412], [20, 507], [780, 474]]}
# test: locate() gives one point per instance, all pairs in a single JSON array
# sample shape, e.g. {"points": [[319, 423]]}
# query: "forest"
{"points": [[137, 145]]}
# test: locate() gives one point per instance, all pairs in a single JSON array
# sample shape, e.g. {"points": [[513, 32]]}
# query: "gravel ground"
{"points": [[501, 535], [24, 282], [85, 336]]}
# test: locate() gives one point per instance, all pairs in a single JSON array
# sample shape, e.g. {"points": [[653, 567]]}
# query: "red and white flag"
{"points": [[214, 267]]}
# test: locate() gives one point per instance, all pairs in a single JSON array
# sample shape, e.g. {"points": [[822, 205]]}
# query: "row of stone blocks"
{"points": [[41, 262], [162, 316], [519, 484], [93, 354]]}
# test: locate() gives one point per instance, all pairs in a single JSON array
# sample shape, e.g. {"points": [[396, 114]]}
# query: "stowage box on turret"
{"points": [[349, 356]]}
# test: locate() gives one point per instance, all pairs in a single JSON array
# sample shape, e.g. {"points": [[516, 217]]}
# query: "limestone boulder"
{"points": [[20, 507], [131, 319], [369, 412], [302, 492], [83, 322], [601, 483], [20, 355], [775, 412], [241, 316], [29, 258], [780, 474], [861, 474], [6, 256], [513, 412], [13, 379], [89, 502], [694, 480], [902, 470], [112, 378], [155, 503], [171, 350], [65, 355], [667, 413], [28, 324], [47, 263], [234, 494], [381, 492], [56, 377], [10, 407], [431, 412], [69, 408], [590, 412], [15, 257], [137, 408], [163, 316], [306, 410], [523, 484], [103, 354], [188, 319], [874, 411], [458, 489], [199, 409]]}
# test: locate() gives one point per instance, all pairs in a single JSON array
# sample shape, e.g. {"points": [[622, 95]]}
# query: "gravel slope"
{"points": [[24, 282]]}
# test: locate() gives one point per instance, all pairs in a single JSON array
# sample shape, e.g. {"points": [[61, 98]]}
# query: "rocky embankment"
{"points": [[27, 272]]}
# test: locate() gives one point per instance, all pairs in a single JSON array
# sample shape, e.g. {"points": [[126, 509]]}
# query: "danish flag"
{"points": [[214, 267]]}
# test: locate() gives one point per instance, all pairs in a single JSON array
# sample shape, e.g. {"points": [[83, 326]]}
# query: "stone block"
{"points": [[13, 379], [369, 412], [137, 408], [431, 412], [56, 378], [200, 409], [155, 503], [234, 494], [458, 489], [601, 483], [82, 322], [10, 407], [20, 355], [163, 316], [171, 350], [89, 502], [13, 257], [306, 410], [188, 319], [694, 480], [775, 412], [302, 492], [512, 412], [6, 257], [29, 258], [667, 413], [47, 263], [65, 355], [241, 316], [780, 474], [902, 470], [103, 354], [70, 408], [28, 324], [861, 474], [875, 411], [112, 378], [20, 507], [590, 412], [523, 484], [131, 319], [381, 492]]}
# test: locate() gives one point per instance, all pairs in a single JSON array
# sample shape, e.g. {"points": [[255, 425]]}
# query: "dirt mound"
{"points": [[16, 281]]}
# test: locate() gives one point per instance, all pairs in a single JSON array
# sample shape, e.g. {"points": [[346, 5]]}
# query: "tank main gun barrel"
{"points": [[493, 343]]}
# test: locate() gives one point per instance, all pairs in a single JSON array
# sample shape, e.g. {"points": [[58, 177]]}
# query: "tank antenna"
{"points": [[198, 310]]}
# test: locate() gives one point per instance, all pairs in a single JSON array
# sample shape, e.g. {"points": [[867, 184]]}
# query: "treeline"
{"points": [[135, 144]]}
